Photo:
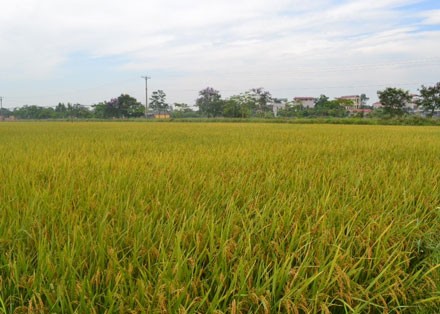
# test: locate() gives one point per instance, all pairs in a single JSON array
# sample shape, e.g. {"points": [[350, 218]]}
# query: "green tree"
{"points": [[158, 101], [364, 100], [210, 102], [321, 101], [233, 107], [100, 110], [239, 106], [34, 112], [124, 106], [182, 107], [130, 107], [182, 110], [332, 108], [5, 112], [429, 98], [247, 104], [293, 109], [262, 99], [394, 100], [61, 111], [72, 111]]}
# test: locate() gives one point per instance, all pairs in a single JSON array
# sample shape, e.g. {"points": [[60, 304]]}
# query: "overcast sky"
{"points": [[84, 51]]}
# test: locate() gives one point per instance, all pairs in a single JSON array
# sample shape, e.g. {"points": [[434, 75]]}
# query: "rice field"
{"points": [[109, 217]]}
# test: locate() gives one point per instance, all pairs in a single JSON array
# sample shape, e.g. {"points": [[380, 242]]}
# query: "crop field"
{"points": [[132, 217]]}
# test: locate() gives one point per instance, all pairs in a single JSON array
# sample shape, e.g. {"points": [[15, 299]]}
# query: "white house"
{"points": [[277, 104], [355, 99], [308, 102]]}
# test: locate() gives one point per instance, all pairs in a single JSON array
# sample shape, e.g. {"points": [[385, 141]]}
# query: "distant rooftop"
{"points": [[304, 98], [348, 97]]}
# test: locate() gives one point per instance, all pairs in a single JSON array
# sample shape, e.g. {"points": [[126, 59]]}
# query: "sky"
{"points": [[83, 51]]}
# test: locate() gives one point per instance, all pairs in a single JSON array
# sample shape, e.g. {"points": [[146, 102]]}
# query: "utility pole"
{"points": [[1, 107], [146, 94]]}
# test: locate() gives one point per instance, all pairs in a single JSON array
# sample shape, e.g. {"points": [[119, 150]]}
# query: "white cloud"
{"points": [[232, 43], [431, 17]]}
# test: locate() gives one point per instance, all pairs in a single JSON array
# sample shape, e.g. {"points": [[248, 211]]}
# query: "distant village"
{"points": [[356, 104], [256, 102]]}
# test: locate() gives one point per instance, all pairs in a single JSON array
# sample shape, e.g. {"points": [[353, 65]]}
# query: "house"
{"points": [[277, 104], [377, 105], [307, 102], [354, 99], [10, 118], [412, 106], [162, 115]]}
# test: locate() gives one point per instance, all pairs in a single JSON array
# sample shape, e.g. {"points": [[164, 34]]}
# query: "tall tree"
{"points": [[5, 112], [429, 98], [321, 101], [210, 102], [182, 110], [76, 111], [233, 107], [100, 110], [364, 100], [124, 106], [34, 112], [240, 106], [158, 101], [183, 107], [332, 108], [130, 107], [61, 111], [394, 100], [262, 99]]}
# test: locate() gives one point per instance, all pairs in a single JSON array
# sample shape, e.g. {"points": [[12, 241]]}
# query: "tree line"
{"points": [[256, 102], [394, 101], [123, 106]]}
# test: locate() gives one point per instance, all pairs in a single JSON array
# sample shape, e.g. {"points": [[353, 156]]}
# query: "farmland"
{"points": [[218, 218]]}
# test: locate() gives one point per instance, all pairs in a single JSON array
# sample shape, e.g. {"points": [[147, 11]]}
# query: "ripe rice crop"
{"points": [[219, 218]]}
